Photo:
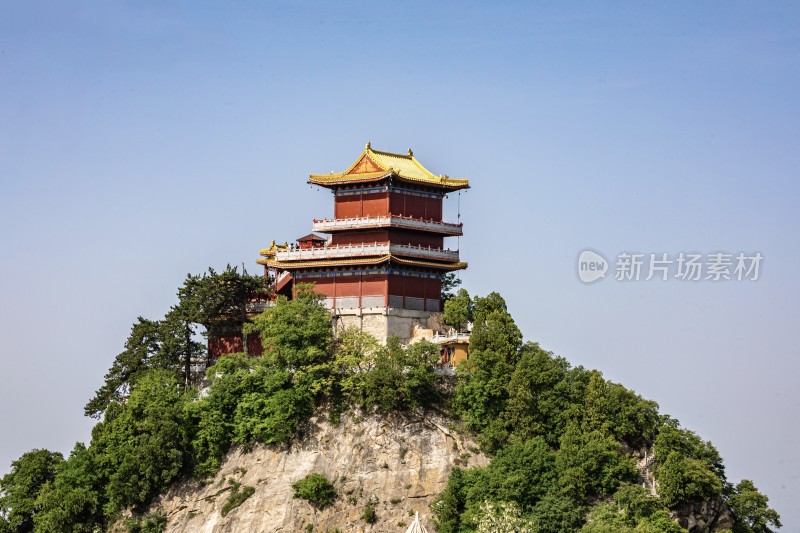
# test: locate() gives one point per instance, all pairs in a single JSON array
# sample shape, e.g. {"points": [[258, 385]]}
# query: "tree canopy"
{"points": [[20, 488], [563, 440], [211, 300]]}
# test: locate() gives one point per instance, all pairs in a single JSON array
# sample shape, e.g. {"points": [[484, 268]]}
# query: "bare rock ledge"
{"points": [[402, 462]]}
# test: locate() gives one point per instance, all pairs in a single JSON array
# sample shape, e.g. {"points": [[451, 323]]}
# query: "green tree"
{"points": [[315, 489], [212, 300], [483, 380], [685, 479], [221, 299], [140, 445], [591, 463], [143, 351], [402, 379], [166, 344], [215, 301], [297, 332], [612, 408], [544, 393], [633, 510], [271, 414], [504, 518], [672, 438], [419, 380], [178, 331], [249, 401], [555, 513], [384, 383], [211, 418], [20, 488], [608, 518], [73, 500], [450, 282], [688, 468], [218, 302], [751, 511], [522, 473], [450, 508], [458, 310], [354, 356]]}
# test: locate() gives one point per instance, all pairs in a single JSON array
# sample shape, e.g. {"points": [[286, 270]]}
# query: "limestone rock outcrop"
{"points": [[400, 463], [700, 517]]}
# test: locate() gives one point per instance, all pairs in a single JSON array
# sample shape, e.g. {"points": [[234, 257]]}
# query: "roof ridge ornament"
{"points": [[410, 153], [368, 146]]}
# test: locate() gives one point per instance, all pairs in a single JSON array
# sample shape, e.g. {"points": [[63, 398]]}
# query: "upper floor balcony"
{"points": [[366, 250], [393, 221]]}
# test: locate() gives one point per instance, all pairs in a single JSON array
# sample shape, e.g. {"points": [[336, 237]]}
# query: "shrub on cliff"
{"points": [[316, 490]]}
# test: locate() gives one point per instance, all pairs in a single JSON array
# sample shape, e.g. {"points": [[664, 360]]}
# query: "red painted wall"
{"points": [[229, 343], [361, 205], [225, 343], [417, 238], [395, 236], [375, 205], [347, 206], [360, 237], [371, 285], [415, 206], [254, 347], [415, 287], [323, 286], [347, 285]]}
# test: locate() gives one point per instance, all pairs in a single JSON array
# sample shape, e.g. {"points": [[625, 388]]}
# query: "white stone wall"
{"points": [[383, 322]]}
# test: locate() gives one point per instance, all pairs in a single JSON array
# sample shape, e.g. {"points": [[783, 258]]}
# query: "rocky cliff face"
{"points": [[401, 463], [700, 517]]}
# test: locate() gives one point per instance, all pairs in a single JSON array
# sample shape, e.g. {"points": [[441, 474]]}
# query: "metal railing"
{"points": [[327, 225], [257, 306], [363, 250], [449, 336]]}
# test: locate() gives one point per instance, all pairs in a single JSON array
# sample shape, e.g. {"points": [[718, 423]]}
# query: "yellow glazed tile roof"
{"points": [[266, 261], [372, 165]]}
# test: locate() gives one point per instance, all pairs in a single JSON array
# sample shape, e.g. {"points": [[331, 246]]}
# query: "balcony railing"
{"points": [[450, 336], [446, 228], [365, 250], [258, 306]]}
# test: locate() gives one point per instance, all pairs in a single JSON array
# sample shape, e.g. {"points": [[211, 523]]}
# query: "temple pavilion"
{"points": [[381, 264]]}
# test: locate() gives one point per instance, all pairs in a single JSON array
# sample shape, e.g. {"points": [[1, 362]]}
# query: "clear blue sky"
{"points": [[141, 141]]}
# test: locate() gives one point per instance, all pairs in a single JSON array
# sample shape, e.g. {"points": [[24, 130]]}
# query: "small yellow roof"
{"points": [[373, 165], [273, 248]]}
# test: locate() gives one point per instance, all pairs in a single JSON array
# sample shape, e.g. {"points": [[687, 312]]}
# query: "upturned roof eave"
{"points": [[292, 265]]}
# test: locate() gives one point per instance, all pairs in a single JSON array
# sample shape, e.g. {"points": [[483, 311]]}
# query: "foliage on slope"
{"points": [[209, 301], [559, 435], [561, 439], [155, 428]]}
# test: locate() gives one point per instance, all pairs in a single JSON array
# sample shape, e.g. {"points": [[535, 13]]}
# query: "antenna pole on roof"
{"points": [[458, 241]]}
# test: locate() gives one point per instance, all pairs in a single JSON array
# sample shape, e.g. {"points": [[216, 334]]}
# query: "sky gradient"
{"points": [[140, 142]]}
